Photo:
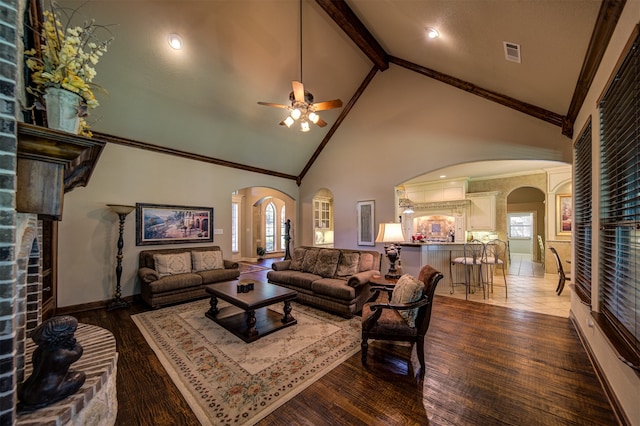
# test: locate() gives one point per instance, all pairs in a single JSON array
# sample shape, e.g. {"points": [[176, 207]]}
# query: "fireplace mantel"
{"points": [[51, 163]]}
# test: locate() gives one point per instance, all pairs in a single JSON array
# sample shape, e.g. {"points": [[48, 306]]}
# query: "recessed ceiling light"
{"points": [[443, 176], [175, 41], [432, 32]]}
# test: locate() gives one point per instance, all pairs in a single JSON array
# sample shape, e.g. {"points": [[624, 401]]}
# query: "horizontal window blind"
{"points": [[583, 215], [619, 249]]}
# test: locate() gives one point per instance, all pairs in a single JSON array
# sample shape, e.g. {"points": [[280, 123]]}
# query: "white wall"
{"points": [[442, 126], [624, 381], [88, 231]]}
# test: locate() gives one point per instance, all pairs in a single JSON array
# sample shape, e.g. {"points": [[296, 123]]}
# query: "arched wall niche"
{"points": [[323, 218]]}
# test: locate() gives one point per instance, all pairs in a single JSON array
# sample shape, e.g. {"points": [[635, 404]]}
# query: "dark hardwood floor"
{"points": [[486, 365]]}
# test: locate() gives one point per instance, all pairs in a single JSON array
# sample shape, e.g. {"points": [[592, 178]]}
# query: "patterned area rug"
{"points": [[248, 267], [227, 381]]}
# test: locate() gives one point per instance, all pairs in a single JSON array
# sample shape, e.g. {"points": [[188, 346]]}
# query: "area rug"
{"points": [[247, 267], [227, 381]]}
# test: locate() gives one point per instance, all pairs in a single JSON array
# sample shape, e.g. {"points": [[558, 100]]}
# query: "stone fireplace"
{"points": [[96, 402]]}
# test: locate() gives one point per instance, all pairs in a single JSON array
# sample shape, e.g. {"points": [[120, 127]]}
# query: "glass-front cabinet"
{"points": [[322, 222]]}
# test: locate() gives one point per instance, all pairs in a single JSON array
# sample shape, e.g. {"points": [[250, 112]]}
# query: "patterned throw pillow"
{"points": [[366, 262], [207, 260], [309, 262], [327, 263], [297, 258], [172, 264], [348, 264], [407, 289]]}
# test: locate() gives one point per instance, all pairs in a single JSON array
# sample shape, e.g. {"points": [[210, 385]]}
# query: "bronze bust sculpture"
{"points": [[51, 379]]}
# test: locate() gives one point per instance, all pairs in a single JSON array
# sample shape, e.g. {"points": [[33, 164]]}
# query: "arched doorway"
{"points": [[526, 217], [258, 221]]}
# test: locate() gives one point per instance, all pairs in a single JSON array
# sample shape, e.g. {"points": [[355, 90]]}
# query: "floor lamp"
{"points": [[391, 234], [117, 301]]}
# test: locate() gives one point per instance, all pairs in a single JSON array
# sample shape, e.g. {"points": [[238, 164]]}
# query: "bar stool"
{"points": [[471, 263], [495, 253]]}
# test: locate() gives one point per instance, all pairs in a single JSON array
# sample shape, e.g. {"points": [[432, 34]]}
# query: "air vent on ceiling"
{"points": [[512, 51]]}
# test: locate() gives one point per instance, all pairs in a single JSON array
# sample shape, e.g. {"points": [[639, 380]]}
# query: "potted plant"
{"points": [[260, 251], [62, 70]]}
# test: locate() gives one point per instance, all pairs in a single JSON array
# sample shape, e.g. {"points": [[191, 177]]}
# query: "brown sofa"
{"points": [[176, 275], [336, 280]]}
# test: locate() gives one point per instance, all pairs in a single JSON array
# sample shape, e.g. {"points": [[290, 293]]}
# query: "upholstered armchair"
{"points": [[404, 315]]}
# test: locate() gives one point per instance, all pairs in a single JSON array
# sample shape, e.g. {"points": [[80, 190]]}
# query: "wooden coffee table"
{"points": [[255, 320]]}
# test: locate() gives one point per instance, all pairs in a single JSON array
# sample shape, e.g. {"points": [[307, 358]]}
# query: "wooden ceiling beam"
{"points": [[608, 16], [529, 109], [339, 120], [347, 20]]}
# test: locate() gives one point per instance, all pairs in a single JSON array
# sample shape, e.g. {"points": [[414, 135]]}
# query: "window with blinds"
{"points": [[582, 214], [619, 248]]}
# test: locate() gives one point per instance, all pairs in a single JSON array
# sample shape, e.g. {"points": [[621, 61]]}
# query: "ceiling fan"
{"points": [[302, 106]]}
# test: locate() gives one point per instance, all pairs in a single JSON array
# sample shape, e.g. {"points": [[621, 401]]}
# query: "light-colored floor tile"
{"points": [[528, 288]]}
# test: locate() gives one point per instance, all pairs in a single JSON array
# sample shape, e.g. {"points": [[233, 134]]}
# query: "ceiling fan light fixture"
{"points": [[296, 113], [289, 121], [432, 33], [304, 126], [313, 117], [175, 41]]}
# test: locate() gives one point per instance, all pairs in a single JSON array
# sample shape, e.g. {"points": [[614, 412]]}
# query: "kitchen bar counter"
{"points": [[415, 255]]}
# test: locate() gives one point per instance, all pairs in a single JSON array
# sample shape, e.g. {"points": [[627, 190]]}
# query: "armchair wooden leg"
{"points": [[420, 352], [363, 350]]}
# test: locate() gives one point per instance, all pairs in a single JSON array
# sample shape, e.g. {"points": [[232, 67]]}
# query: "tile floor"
{"points": [[529, 289]]}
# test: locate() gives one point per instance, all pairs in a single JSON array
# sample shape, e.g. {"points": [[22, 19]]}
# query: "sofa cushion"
{"points": [[348, 264], [303, 280], [206, 260], [291, 278], [175, 282], [172, 264], [334, 288], [297, 258], [408, 289], [309, 262], [327, 262], [216, 275], [366, 262]]}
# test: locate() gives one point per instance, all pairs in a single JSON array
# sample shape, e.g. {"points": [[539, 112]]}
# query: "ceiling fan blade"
{"points": [[298, 91], [273, 105], [321, 122], [321, 106]]}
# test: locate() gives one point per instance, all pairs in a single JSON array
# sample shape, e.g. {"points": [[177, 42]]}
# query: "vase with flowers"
{"points": [[63, 68]]}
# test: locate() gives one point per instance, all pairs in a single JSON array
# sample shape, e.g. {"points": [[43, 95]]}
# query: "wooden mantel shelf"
{"points": [[50, 163]]}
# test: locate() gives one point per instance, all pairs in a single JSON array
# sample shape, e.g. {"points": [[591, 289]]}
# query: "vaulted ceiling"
{"points": [[202, 100]]}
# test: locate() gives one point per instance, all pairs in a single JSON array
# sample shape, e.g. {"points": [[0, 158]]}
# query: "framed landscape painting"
{"points": [[162, 224], [564, 215], [366, 210]]}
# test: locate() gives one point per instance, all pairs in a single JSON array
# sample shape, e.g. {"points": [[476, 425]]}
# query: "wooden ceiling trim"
{"points": [[347, 20], [532, 110], [608, 16], [184, 154], [343, 114]]}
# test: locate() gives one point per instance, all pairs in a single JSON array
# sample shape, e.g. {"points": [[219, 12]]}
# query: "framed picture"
{"points": [[564, 215], [162, 224], [366, 216]]}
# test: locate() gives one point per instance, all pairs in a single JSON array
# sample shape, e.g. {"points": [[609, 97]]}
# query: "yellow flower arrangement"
{"points": [[67, 57]]}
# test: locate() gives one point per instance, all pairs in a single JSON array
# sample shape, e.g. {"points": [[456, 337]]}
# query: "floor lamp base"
{"points": [[117, 304]]}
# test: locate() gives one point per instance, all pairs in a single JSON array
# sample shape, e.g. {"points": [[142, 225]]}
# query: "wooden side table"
{"points": [[380, 280]]}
